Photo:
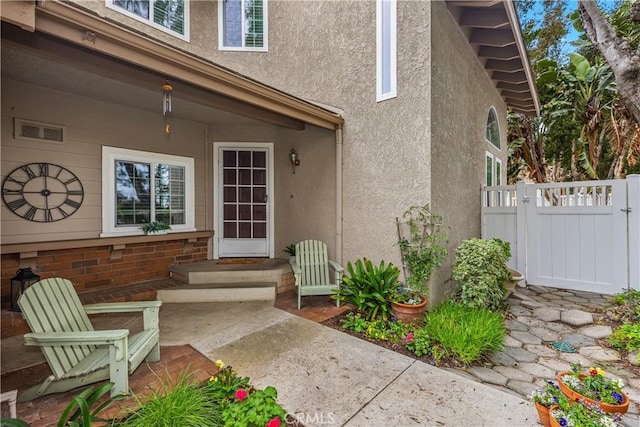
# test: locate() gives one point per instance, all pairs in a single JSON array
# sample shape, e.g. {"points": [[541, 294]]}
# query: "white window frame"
{"points": [[495, 113], [386, 21], [109, 156], [152, 23], [243, 48]]}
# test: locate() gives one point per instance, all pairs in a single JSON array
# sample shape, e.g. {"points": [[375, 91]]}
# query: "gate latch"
{"points": [[627, 210]]}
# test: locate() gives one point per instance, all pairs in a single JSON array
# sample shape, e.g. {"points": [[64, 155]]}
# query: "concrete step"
{"points": [[209, 272], [219, 292]]}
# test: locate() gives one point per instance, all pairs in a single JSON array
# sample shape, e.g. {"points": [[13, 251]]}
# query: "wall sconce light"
{"points": [[24, 278], [295, 160], [166, 105]]}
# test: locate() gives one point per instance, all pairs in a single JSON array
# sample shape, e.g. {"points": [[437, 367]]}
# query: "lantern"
{"points": [[23, 279]]}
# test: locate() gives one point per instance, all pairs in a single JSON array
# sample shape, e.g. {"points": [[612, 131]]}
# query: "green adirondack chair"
{"points": [[311, 270], [76, 353]]}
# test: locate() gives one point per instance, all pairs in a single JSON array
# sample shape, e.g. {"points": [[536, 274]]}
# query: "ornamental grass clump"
{"points": [[183, 403], [594, 385], [465, 332]]}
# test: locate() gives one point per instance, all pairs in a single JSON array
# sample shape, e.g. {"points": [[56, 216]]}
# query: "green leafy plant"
{"points": [[626, 337], [224, 384], [465, 332], [418, 342], [80, 413], [421, 237], [377, 329], [154, 226], [13, 422], [369, 288], [290, 249], [181, 403], [547, 396], [480, 268], [626, 306], [583, 415], [355, 322], [254, 408]]}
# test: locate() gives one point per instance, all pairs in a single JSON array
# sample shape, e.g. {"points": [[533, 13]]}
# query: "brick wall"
{"points": [[101, 267]]}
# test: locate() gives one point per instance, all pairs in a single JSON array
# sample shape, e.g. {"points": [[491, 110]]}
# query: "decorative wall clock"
{"points": [[42, 192]]}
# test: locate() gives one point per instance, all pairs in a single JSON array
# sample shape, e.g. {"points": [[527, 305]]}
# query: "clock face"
{"points": [[42, 192]]}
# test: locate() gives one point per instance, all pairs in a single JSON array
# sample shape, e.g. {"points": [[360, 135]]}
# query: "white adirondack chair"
{"points": [[311, 270], [76, 353]]}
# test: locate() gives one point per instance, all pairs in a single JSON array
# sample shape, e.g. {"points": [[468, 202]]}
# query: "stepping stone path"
{"points": [[541, 316]]}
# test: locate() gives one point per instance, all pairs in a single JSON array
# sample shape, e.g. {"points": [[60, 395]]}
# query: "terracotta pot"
{"points": [[607, 407], [543, 414], [409, 313], [552, 421]]}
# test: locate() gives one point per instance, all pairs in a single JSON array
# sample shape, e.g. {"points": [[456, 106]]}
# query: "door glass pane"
{"points": [[259, 195], [229, 158], [245, 212], [230, 230], [489, 171], [259, 177], [259, 159], [244, 176], [229, 177], [259, 230], [259, 212], [229, 194], [230, 212], [244, 159], [245, 230], [244, 194]]}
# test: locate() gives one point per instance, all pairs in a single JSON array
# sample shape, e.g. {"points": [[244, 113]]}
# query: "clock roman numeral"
{"points": [[63, 213], [12, 179], [31, 213], [44, 169], [75, 193], [26, 169], [74, 179], [48, 217], [72, 203], [17, 204], [12, 192]]}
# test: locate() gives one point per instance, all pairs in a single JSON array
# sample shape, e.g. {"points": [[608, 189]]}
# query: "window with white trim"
{"points": [[492, 130], [141, 187], [170, 16], [242, 25], [386, 38]]}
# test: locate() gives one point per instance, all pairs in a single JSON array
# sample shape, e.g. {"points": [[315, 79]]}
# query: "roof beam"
{"points": [[518, 77], [506, 66], [491, 37], [504, 53], [484, 18], [520, 87]]}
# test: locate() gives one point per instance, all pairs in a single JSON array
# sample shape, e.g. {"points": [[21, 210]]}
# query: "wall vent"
{"points": [[37, 131]]}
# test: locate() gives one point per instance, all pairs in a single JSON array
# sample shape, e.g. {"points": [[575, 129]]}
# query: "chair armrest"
{"points": [[75, 338], [337, 267], [120, 307], [295, 268]]}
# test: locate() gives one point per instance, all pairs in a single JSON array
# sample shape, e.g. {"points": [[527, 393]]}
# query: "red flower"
{"points": [[241, 395], [593, 372], [274, 422]]}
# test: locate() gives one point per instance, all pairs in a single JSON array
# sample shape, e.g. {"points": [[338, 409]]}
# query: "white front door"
{"points": [[243, 199]]}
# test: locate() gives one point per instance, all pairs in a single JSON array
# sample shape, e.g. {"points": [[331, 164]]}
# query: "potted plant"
{"points": [[155, 227], [583, 415], [544, 398], [480, 268], [594, 388], [291, 251], [421, 238]]}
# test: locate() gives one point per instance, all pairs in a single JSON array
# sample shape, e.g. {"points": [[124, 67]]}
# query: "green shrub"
{"points": [[185, 403], [627, 337], [369, 288], [84, 415], [418, 342], [480, 268], [627, 306], [377, 329], [465, 332]]}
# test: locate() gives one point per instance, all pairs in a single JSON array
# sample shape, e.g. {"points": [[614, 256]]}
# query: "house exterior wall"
{"points": [[464, 95]]}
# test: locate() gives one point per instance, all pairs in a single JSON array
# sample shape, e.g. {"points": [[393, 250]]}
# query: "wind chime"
{"points": [[166, 106]]}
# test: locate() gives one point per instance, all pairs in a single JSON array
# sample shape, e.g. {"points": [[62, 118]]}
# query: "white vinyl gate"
{"points": [[578, 235]]}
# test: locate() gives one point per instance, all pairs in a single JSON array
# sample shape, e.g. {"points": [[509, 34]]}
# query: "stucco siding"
{"points": [[463, 95]]}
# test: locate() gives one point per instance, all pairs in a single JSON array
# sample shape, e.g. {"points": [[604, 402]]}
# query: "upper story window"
{"points": [[242, 25], [171, 16], [386, 50], [141, 187], [492, 131]]}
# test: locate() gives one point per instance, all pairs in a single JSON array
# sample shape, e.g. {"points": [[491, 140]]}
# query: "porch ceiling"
{"points": [[493, 31], [48, 62]]}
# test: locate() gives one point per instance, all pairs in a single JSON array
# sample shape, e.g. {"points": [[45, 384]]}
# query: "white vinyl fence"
{"points": [[578, 235]]}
